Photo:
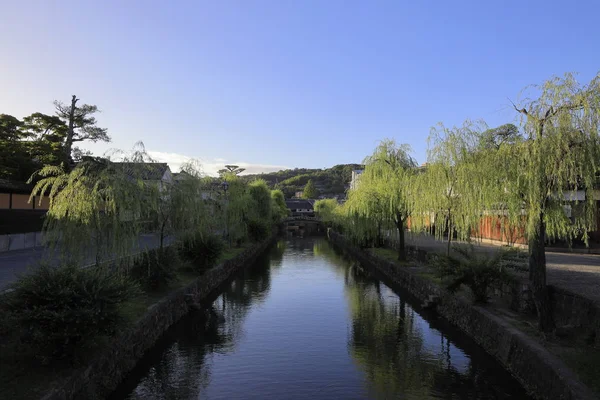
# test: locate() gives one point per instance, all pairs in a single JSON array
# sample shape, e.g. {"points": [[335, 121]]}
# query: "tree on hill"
{"points": [[330, 181], [80, 122], [310, 190], [231, 169], [28, 145]]}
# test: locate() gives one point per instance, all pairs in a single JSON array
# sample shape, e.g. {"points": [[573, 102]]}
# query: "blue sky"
{"points": [[292, 83]]}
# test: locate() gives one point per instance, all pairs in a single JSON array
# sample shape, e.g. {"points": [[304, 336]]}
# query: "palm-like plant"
{"points": [[479, 272]]}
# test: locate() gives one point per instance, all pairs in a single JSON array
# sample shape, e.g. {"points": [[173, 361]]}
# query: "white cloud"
{"points": [[211, 167]]}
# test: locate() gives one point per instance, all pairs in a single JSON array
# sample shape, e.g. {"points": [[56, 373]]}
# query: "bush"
{"points": [[258, 230], [155, 269], [202, 251], [56, 308], [478, 272]]}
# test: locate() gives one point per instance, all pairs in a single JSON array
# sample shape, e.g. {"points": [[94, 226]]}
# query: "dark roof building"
{"points": [[299, 205]]}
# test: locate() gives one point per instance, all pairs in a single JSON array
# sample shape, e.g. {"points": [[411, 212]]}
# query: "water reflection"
{"points": [[306, 322]]}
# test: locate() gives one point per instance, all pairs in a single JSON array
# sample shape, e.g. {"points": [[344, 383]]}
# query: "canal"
{"points": [[304, 322]]}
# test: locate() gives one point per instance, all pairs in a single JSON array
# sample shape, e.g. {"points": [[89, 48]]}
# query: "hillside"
{"points": [[330, 182]]}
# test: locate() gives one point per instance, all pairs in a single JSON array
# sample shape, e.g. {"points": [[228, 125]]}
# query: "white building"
{"points": [[355, 178]]}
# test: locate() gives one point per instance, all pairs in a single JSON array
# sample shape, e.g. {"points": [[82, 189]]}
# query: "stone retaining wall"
{"points": [[541, 373], [577, 315], [102, 375]]}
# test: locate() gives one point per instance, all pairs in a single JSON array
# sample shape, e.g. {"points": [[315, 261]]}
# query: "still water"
{"points": [[307, 323]]}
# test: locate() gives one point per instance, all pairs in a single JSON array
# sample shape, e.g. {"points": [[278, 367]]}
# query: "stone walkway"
{"points": [[578, 273]]}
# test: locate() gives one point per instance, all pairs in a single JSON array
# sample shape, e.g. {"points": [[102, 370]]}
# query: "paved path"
{"points": [[578, 273], [14, 263]]}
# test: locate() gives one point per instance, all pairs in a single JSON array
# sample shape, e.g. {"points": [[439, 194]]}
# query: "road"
{"points": [[14, 263]]}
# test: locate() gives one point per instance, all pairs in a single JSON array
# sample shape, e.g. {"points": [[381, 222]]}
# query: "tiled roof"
{"points": [[7, 186], [295, 204]]}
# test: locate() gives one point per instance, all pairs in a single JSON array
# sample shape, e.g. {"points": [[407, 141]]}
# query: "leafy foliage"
{"points": [[57, 308], [27, 145], [156, 269], [258, 230], [280, 210], [231, 170], [326, 211], [443, 193], [381, 200], [479, 272], [81, 123], [98, 205], [310, 190], [202, 251]]}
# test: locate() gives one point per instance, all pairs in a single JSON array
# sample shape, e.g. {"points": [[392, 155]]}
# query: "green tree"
{"points": [[446, 192], [260, 194], [80, 122], [326, 210], [560, 154], [46, 134], [235, 207], [310, 190], [231, 169], [382, 198], [99, 206], [493, 138], [280, 210], [15, 163]]}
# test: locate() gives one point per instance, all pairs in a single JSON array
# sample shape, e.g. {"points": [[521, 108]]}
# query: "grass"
{"points": [[21, 378], [232, 252], [430, 276], [388, 255]]}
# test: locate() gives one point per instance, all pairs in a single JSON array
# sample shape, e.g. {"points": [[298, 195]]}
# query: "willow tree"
{"points": [[554, 167], [326, 211], [236, 209], [280, 209], [99, 205], [382, 197], [447, 187], [363, 214], [182, 207]]}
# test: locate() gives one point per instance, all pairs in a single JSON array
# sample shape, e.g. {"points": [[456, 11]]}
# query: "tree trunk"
{"points": [[449, 236], [71, 131], [401, 241], [162, 235], [537, 276]]}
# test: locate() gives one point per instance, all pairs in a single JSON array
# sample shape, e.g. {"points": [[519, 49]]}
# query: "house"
{"points": [[300, 208], [158, 173], [15, 196], [17, 213]]}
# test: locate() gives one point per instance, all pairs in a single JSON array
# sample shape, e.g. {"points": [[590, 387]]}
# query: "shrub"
{"points": [[56, 308], [202, 251], [479, 272], [155, 269], [258, 230]]}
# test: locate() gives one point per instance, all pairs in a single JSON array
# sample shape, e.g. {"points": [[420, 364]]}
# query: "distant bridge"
{"points": [[301, 218]]}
